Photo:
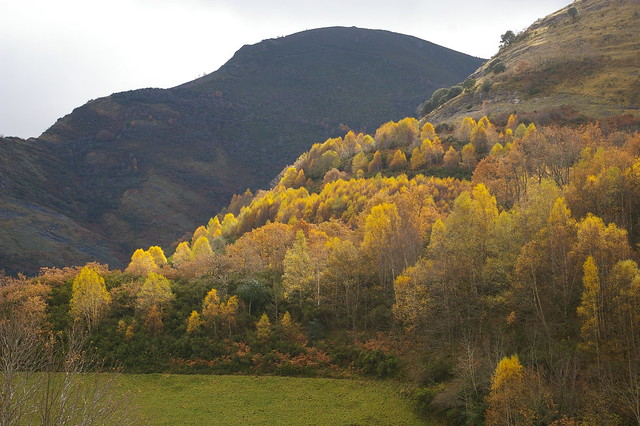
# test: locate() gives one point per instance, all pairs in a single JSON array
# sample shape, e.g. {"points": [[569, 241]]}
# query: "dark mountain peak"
{"points": [[339, 47], [142, 167]]}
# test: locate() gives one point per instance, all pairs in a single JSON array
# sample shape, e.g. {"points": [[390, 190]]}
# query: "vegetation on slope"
{"points": [[576, 65], [512, 294], [146, 166]]}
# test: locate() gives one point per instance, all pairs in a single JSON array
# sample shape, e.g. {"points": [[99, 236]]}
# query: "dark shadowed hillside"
{"points": [[146, 166]]}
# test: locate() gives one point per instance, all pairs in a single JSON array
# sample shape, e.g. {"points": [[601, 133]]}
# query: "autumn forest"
{"points": [[492, 268]]}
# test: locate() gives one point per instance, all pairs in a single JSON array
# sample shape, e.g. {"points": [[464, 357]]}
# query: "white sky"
{"points": [[56, 55]]}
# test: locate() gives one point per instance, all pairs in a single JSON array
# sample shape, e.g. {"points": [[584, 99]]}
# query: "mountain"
{"points": [[146, 166], [578, 64]]}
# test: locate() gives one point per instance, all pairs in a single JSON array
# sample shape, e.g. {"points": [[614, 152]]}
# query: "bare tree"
{"points": [[47, 378]]}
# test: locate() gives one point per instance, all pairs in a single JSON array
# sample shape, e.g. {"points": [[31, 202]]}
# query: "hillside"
{"points": [[360, 262], [574, 65], [146, 166], [491, 266]]}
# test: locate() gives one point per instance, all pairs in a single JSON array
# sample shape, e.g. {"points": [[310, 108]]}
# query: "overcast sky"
{"points": [[56, 55]]}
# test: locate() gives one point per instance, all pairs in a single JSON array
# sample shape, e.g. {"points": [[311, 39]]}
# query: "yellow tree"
{"points": [[154, 292], [142, 263], [194, 322], [359, 162], [418, 158], [301, 179], [427, 131], [201, 250], [518, 396], [158, 256], [459, 248], [479, 137], [545, 276], [199, 232], [624, 335], [451, 158], [463, 132], [263, 328], [229, 312], [229, 223], [211, 312], [590, 306], [298, 269], [214, 229], [469, 158], [398, 161], [382, 243], [89, 297], [412, 297], [182, 254], [289, 177]]}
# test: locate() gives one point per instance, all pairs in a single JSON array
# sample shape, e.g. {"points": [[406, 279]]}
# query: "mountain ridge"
{"points": [[575, 65], [146, 166]]}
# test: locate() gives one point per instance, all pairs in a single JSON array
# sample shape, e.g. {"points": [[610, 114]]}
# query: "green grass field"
{"points": [[207, 399]]}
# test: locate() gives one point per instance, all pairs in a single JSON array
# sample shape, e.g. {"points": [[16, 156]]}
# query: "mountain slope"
{"points": [[146, 166], [576, 64]]}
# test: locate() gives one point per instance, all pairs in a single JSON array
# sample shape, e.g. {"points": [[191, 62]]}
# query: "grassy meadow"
{"points": [[165, 399]]}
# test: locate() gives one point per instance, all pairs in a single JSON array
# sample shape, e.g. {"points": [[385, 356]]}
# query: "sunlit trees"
{"points": [[518, 396], [89, 299], [158, 256], [381, 242], [398, 161], [154, 291], [182, 254], [359, 162], [217, 315], [298, 270], [263, 328], [142, 263], [194, 322]]}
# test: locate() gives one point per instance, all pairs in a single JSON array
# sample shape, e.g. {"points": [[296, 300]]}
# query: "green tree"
{"points": [[507, 38]]}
